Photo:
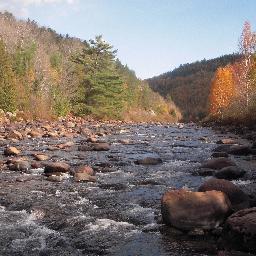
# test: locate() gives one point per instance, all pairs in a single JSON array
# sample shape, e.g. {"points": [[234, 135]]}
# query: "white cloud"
{"points": [[20, 7]]}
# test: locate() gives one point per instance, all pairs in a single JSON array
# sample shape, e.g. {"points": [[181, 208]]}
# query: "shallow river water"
{"points": [[117, 215]]}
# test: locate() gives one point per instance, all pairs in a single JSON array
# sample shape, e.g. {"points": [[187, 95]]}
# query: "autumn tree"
{"points": [[247, 47], [222, 90]]}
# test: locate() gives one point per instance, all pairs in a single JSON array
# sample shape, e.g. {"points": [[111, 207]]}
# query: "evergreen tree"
{"points": [[103, 89], [7, 81]]}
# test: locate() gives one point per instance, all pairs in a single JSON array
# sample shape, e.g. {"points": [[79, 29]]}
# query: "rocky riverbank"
{"points": [[80, 187]]}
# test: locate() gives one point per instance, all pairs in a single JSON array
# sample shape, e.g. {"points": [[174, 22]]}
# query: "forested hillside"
{"points": [[189, 85], [44, 75]]}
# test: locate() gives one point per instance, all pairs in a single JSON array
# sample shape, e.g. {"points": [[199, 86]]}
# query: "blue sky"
{"points": [[152, 36]]}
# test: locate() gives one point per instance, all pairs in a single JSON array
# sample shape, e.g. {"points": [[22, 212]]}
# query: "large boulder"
{"points": [[239, 200], [188, 210], [240, 230], [230, 173], [217, 163]]}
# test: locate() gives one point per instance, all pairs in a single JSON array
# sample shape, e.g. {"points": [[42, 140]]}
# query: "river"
{"points": [[117, 215]]}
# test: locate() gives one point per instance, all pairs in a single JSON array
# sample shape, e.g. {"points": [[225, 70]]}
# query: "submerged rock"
{"points": [[217, 163], [149, 161], [230, 173], [188, 210], [239, 200], [100, 146]]}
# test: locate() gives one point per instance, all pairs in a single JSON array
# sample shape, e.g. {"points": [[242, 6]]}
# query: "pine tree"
{"points": [[7, 81], [103, 89]]}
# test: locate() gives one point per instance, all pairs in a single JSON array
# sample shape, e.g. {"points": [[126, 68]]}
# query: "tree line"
{"points": [[46, 75]]}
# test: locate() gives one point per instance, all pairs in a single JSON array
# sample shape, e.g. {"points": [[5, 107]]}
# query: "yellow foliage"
{"points": [[222, 90]]}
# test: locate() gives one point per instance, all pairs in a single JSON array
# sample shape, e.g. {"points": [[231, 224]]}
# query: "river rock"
{"points": [[226, 141], [41, 157], [100, 146], [11, 151], [188, 210], [20, 165], [217, 163], [34, 134], [66, 145], [240, 230], [149, 161], [78, 177], [55, 178], [239, 200], [14, 135], [56, 167], [230, 173], [85, 169], [124, 141], [92, 139], [240, 150]]}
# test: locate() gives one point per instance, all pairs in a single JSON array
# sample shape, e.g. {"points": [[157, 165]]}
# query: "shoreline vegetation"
{"points": [[44, 75]]}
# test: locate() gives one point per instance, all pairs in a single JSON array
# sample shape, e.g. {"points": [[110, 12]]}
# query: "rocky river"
{"points": [[118, 211]]}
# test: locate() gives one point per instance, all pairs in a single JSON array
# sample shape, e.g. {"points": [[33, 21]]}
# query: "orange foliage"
{"points": [[222, 90]]}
